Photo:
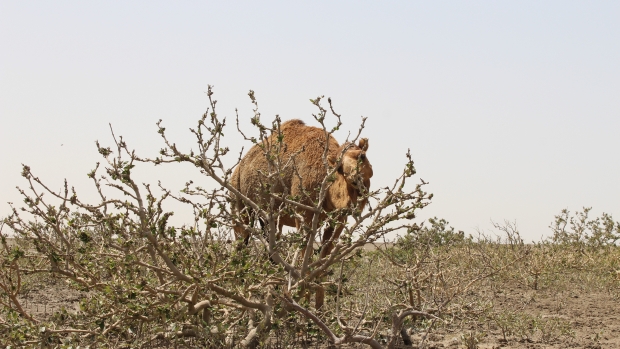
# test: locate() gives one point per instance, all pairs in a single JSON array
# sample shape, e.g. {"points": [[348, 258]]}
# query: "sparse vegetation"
{"points": [[127, 278]]}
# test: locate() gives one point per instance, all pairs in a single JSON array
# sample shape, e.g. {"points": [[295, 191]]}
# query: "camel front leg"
{"points": [[241, 234]]}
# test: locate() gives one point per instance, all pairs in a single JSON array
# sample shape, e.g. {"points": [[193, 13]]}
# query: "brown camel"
{"points": [[308, 143]]}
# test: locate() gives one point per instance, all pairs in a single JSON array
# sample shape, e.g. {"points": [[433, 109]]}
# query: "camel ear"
{"points": [[363, 144]]}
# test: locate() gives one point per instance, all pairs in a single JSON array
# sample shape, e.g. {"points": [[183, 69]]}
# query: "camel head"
{"points": [[355, 166]]}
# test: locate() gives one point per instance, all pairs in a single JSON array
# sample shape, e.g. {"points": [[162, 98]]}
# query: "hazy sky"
{"points": [[511, 109]]}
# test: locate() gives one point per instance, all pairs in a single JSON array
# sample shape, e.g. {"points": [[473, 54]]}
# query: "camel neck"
{"points": [[341, 194]]}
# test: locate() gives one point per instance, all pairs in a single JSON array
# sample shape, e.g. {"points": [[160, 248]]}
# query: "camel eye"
{"points": [[363, 157]]}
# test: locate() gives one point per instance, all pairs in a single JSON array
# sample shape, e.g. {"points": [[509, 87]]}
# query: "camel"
{"points": [[307, 143]]}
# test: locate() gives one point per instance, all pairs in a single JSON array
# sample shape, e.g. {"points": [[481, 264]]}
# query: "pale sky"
{"points": [[511, 109]]}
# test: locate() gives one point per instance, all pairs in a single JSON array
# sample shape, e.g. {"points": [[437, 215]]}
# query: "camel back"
{"points": [[308, 163]]}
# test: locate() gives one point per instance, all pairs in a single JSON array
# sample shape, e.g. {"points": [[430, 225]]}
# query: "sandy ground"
{"points": [[594, 318]]}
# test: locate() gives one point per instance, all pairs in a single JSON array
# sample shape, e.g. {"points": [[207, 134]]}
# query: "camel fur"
{"points": [[305, 173]]}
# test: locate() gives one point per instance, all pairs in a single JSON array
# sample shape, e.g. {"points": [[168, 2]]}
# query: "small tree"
{"points": [[148, 280]]}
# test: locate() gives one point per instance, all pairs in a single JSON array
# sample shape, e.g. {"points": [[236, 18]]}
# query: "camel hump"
{"points": [[293, 123]]}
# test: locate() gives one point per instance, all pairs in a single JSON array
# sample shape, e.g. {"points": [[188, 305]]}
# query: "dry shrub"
{"points": [[147, 283]]}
